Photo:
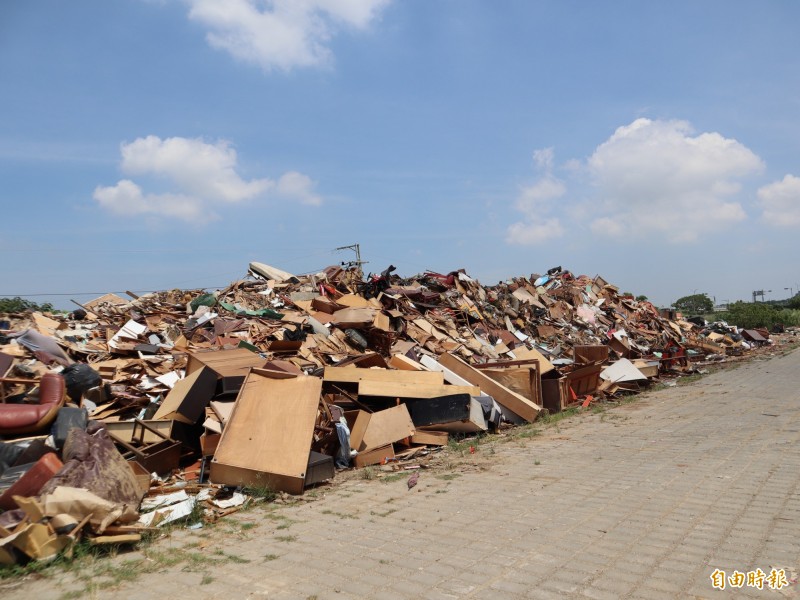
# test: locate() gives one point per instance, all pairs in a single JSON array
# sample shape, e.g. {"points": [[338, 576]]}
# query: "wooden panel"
{"points": [[511, 400], [225, 363], [188, 398], [349, 375], [413, 390], [402, 362], [269, 433], [545, 366], [524, 381], [471, 420], [381, 428], [587, 355], [374, 457], [430, 438], [124, 430]]}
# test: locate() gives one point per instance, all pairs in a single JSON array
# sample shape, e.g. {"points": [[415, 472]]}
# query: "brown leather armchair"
{"points": [[33, 418]]}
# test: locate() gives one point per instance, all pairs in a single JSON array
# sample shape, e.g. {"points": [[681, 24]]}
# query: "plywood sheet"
{"points": [[514, 402], [225, 363], [381, 428], [545, 366], [349, 375], [413, 390], [269, 433]]}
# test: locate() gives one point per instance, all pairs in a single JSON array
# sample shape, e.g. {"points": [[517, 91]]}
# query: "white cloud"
{"points": [[296, 186], [780, 202], [201, 175], [280, 34], [534, 232], [199, 168], [536, 202], [656, 177], [126, 199]]}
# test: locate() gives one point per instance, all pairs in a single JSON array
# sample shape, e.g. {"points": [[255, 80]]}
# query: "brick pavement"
{"points": [[644, 500]]}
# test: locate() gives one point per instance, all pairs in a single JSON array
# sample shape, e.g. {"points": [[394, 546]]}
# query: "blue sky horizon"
{"points": [[154, 144]]}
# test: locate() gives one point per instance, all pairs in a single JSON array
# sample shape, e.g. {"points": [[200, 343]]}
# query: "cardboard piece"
{"points": [[513, 401], [80, 503], [187, 400], [268, 436]]}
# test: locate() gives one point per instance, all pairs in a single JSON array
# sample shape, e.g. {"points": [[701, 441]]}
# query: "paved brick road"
{"points": [[641, 501]]}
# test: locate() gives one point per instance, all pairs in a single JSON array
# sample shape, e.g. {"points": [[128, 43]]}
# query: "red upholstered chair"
{"points": [[33, 418]]}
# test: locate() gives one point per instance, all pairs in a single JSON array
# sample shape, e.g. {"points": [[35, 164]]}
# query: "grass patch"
{"points": [[335, 513], [553, 418], [206, 580], [286, 538], [449, 476], [270, 557], [261, 491], [690, 378], [461, 445], [383, 514], [393, 477], [368, 473]]}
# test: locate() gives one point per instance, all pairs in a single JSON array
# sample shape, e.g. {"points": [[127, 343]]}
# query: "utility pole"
{"points": [[357, 262]]}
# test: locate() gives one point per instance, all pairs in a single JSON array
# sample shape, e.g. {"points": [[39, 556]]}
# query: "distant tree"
{"points": [[794, 301], [17, 304], [696, 304], [757, 314], [641, 298]]}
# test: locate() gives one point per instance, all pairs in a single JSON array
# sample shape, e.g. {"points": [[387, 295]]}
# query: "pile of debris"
{"points": [[127, 414]]}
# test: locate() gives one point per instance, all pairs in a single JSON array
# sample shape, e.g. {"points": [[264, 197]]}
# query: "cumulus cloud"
{"points": [[657, 177], [536, 202], [200, 176], [296, 186], [281, 34], [780, 202]]}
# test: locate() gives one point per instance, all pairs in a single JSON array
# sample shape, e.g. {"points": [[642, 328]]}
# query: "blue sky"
{"points": [[152, 144]]}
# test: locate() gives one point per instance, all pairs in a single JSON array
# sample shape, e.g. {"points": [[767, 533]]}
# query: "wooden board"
{"points": [[350, 375], [472, 419], [413, 390], [430, 438], [373, 430], [514, 402], [269, 433], [545, 366], [524, 381], [225, 363], [374, 457], [399, 361], [188, 398]]}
